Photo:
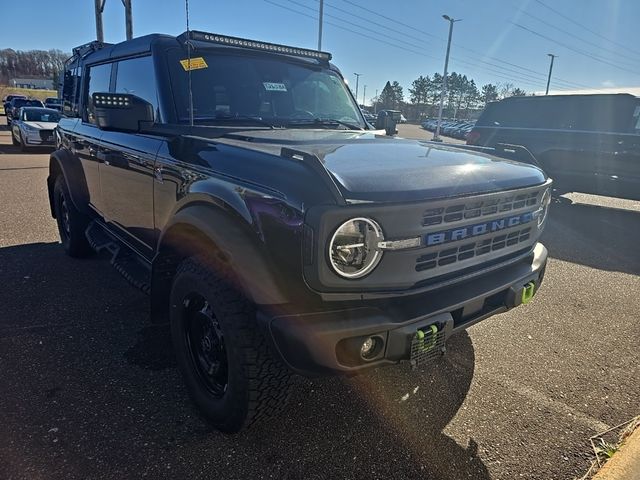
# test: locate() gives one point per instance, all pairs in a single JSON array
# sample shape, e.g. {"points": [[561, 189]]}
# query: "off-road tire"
{"points": [[258, 383], [72, 235]]}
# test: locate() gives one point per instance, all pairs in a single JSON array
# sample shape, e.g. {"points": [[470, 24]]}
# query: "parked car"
{"points": [[7, 100], [369, 117], [275, 231], [33, 127], [16, 103], [54, 103], [588, 143], [449, 128]]}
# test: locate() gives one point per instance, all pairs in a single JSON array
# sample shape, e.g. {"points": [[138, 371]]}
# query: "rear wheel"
{"points": [[71, 223], [225, 361]]}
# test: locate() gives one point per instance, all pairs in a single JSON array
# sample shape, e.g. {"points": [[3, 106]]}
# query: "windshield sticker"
{"points": [[274, 87], [194, 64]]}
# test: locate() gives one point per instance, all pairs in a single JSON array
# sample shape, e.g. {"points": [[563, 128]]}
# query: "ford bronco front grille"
{"points": [[476, 209], [447, 256]]}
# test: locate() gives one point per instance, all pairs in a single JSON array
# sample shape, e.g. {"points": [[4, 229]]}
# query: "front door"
{"points": [[126, 160], [126, 163]]}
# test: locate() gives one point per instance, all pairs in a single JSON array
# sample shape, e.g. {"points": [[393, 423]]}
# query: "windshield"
{"points": [[280, 92], [56, 101], [40, 116]]}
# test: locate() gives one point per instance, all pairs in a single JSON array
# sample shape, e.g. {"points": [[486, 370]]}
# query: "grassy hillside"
{"points": [[31, 93]]}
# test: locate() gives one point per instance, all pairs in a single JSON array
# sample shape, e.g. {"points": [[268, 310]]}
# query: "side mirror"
{"points": [[387, 121], [121, 111]]}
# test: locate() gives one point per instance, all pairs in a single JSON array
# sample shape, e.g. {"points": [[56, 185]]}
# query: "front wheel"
{"points": [[225, 361], [23, 145], [71, 223]]}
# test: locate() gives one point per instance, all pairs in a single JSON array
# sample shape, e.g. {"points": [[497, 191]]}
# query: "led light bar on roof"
{"points": [[266, 47]]}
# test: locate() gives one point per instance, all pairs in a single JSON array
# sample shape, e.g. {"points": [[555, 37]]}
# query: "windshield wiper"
{"points": [[325, 121], [232, 118]]}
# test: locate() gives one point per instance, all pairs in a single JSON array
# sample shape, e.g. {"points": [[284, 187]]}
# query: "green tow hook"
{"points": [[420, 336], [527, 292]]}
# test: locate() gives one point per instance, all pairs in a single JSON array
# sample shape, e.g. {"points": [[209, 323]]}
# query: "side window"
{"points": [[99, 79], [136, 77], [71, 91]]}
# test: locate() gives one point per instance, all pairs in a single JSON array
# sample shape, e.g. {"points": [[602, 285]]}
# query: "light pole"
{"points": [[436, 136], [357, 79], [99, 7], [550, 69], [364, 95], [128, 18], [375, 105], [320, 25]]}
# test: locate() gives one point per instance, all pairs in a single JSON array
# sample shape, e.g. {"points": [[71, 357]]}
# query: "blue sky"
{"points": [[496, 41]]}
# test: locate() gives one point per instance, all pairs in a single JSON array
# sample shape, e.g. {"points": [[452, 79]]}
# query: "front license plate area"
{"points": [[427, 345]]}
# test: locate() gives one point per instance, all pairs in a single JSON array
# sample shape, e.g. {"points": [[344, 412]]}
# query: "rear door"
{"points": [[84, 139]]}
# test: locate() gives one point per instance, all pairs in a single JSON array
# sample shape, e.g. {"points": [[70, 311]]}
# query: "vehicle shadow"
{"points": [[15, 149], [600, 237], [90, 389]]}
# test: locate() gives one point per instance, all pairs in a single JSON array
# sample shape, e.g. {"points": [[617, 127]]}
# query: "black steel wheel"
{"points": [[205, 342], [71, 223], [225, 361]]}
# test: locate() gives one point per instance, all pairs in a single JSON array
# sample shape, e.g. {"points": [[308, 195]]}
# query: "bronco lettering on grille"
{"points": [[454, 234]]}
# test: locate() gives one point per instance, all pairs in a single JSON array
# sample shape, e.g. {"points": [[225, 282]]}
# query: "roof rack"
{"points": [[84, 50], [253, 44]]}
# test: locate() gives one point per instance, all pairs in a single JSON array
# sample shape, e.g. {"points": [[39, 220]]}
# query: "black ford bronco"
{"points": [[237, 184]]}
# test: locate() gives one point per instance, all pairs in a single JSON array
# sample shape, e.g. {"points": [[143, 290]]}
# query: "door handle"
{"points": [[112, 159]]}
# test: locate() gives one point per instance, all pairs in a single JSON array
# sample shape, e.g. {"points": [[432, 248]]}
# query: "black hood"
{"points": [[370, 167]]}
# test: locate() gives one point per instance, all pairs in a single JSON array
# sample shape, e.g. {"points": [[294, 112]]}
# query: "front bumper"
{"points": [[328, 341], [35, 140]]}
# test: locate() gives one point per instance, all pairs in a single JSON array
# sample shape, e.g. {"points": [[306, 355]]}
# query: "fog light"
{"points": [[368, 347]]}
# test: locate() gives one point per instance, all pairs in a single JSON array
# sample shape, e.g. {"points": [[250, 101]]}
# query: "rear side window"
{"points": [[71, 91], [99, 80], [136, 77]]}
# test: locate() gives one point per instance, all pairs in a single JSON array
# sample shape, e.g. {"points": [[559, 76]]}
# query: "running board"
{"points": [[124, 259]]}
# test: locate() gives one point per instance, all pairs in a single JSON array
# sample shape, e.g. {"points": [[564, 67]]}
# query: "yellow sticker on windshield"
{"points": [[194, 64]]}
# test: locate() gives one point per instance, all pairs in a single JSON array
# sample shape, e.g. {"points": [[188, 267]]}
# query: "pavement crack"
{"points": [[552, 404]]}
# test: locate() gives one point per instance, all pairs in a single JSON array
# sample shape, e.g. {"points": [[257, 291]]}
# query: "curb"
{"points": [[625, 464]]}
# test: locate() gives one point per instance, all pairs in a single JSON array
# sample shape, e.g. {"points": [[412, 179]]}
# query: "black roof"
{"points": [[136, 46], [574, 96], [95, 52]]}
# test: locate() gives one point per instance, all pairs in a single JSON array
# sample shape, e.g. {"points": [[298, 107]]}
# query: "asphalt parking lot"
{"points": [[88, 388], [409, 130]]}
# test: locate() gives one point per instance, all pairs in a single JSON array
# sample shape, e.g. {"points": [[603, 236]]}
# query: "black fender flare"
{"points": [[62, 162], [235, 242]]}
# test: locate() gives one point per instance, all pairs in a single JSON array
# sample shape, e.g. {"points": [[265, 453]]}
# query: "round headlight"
{"points": [[353, 250], [544, 207]]}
